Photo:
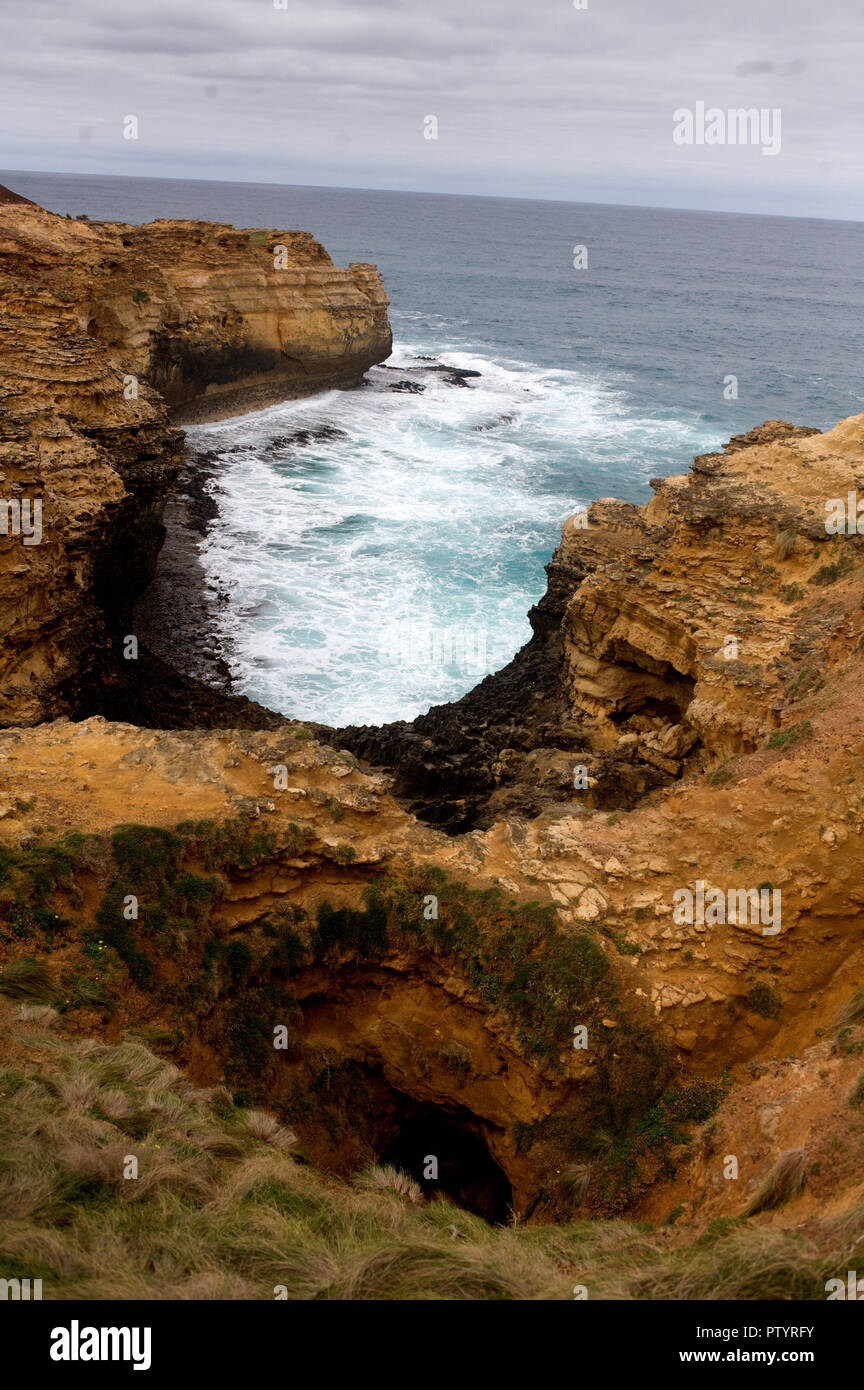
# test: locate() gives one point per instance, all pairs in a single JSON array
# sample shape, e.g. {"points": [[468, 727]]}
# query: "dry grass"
{"points": [[576, 1179], [853, 1011], [221, 1210], [785, 1180], [386, 1178], [785, 543], [27, 980]]}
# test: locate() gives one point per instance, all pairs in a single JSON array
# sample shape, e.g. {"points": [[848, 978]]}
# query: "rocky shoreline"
{"points": [[176, 616]]}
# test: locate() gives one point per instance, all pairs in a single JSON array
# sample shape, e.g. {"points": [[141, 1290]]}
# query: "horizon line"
{"points": [[428, 193]]}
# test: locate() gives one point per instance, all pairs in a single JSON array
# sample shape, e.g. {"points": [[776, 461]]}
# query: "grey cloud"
{"points": [[760, 65], [533, 97]]}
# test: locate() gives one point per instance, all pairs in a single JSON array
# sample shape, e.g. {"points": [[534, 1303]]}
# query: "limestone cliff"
{"points": [[108, 333], [699, 605]]}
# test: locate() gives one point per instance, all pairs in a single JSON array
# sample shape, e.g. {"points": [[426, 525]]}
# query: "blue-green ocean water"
{"points": [[386, 569]]}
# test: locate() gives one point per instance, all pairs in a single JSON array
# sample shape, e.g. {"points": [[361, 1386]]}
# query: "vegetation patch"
{"points": [[762, 999], [650, 1146], [515, 955], [784, 738], [829, 574], [29, 879]]}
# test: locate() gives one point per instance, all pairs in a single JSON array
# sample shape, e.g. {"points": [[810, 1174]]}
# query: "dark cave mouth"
{"points": [[361, 1115], [445, 1157]]}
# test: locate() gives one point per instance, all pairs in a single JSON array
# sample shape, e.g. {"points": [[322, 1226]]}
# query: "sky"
{"points": [[532, 98]]}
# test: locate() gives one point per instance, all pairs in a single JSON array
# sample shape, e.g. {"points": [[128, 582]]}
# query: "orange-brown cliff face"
{"points": [[106, 331], [220, 321], [694, 606]]}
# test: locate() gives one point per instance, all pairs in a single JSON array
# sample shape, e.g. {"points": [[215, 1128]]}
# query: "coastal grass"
{"points": [[222, 1208], [28, 980]]}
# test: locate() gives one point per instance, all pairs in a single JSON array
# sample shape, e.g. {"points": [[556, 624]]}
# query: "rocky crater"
{"points": [[457, 937]]}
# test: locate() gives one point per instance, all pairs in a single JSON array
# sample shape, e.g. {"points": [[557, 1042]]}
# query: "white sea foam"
{"points": [[375, 574]]}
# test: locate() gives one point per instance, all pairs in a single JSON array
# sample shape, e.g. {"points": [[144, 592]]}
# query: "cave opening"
{"points": [[671, 711], [444, 1156]]}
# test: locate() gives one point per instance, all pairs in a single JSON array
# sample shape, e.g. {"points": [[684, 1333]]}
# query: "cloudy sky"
{"points": [[533, 98]]}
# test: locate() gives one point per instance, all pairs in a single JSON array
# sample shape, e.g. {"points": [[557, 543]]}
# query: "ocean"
{"points": [[380, 547]]}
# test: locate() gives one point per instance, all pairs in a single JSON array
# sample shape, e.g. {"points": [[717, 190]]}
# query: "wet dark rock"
{"points": [[454, 376], [301, 439]]}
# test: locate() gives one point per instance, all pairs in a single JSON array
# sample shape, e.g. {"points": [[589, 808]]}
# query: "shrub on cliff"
{"points": [[784, 738], [514, 954], [29, 879], [153, 903]]}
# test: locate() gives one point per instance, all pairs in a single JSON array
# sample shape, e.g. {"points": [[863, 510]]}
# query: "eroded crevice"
{"points": [[385, 1064]]}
